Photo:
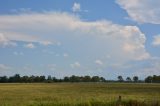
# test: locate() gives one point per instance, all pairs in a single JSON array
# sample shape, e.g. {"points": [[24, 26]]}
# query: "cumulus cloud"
{"points": [[48, 52], [30, 45], [46, 43], [18, 53], [142, 11], [65, 55], [122, 43], [152, 68], [52, 66], [76, 7], [4, 67], [156, 40], [26, 10], [75, 65], [4, 41], [148, 71], [99, 62]]}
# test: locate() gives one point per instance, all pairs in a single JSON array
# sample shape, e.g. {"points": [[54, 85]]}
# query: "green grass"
{"points": [[79, 94]]}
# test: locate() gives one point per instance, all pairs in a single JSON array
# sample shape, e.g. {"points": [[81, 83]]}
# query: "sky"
{"points": [[80, 37]]}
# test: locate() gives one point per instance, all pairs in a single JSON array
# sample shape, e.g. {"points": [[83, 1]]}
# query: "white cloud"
{"points": [[21, 53], [152, 68], [15, 53], [76, 7], [28, 68], [26, 10], [123, 43], [148, 71], [4, 67], [46, 43], [75, 65], [4, 41], [65, 55], [156, 41], [18, 53], [57, 55], [30, 45], [99, 62], [52, 67], [48, 52], [142, 11]]}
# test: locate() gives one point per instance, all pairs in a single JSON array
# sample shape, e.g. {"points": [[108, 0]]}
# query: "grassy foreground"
{"points": [[79, 94]]}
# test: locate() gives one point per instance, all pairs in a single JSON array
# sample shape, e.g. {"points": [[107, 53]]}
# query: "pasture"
{"points": [[79, 94]]}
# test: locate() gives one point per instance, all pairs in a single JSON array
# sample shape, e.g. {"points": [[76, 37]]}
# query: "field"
{"points": [[79, 94]]}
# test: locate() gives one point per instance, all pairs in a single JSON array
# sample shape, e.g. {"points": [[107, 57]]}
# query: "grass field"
{"points": [[79, 94]]}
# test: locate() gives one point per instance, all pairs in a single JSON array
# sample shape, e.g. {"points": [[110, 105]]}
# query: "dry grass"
{"points": [[78, 94]]}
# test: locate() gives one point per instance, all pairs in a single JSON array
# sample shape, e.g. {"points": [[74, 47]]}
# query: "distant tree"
{"points": [[16, 78], [86, 79], [102, 79], [95, 79], [74, 78], [66, 79], [10, 79], [42, 78], [149, 79], [128, 79], [135, 78], [37, 79], [54, 79], [25, 79], [120, 78], [4, 79], [49, 79], [156, 79], [31, 78], [81, 79]]}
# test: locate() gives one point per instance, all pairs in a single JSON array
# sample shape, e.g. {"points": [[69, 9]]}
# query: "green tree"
{"points": [[135, 78], [16, 78], [74, 78], [25, 79], [42, 78], [4, 79], [49, 79], [66, 79], [156, 79], [102, 79], [95, 79], [86, 79], [120, 78], [128, 79], [149, 79]]}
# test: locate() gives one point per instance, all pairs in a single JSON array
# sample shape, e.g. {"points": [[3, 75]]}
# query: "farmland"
{"points": [[78, 94]]}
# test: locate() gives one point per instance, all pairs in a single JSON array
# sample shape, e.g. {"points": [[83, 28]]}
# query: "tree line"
{"points": [[37, 79], [153, 79]]}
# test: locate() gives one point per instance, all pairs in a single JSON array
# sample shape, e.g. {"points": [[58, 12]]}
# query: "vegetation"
{"points": [[153, 79], [30, 91], [73, 78], [135, 78], [31, 79], [120, 78], [79, 94]]}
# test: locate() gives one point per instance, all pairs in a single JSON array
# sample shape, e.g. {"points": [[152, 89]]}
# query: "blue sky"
{"points": [[61, 38]]}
